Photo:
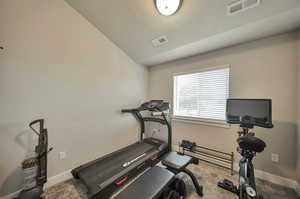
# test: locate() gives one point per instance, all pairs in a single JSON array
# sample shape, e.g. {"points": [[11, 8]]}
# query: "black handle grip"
{"points": [[41, 121], [45, 153], [129, 110], [263, 125], [41, 124]]}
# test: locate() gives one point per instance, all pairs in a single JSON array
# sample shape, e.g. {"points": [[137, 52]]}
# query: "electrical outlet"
{"points": [[62, 155], [275, 157], [156, 130]]}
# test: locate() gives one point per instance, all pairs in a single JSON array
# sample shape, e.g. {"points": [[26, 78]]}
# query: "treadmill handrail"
{"points": [[142, 120], [129, 110]]}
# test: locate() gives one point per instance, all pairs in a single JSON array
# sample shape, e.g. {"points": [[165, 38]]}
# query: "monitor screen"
{"points": [[259, 109]]}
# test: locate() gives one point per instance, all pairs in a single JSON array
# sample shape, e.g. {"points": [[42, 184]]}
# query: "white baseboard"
{"points": [[298, 190], [286, 182], [12, 195], [282, 181], [66, 175]]}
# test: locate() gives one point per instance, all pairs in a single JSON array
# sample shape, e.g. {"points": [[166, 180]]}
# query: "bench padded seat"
{"points": [[149, 185], [176, 161]]}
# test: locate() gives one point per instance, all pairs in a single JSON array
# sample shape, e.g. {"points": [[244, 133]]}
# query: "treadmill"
{"points": [[103, 176]]}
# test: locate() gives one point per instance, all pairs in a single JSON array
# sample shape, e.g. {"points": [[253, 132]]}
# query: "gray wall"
{"points": [[265, 68], [59, 67], [298, 166]]}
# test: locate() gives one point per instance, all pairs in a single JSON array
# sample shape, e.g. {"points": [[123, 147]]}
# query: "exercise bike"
{"points": [[248, 113]]}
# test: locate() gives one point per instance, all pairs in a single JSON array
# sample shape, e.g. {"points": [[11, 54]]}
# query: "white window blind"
{"points": [[202, 95]]}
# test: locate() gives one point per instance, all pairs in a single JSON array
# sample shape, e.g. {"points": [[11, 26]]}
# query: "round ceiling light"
{"points": [[167, 7]]}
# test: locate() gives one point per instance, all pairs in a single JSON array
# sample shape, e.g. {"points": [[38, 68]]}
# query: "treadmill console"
{"points": [[155, 105]]}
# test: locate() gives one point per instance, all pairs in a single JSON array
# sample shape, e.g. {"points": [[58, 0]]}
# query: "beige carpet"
{"points": [[207, 175]]}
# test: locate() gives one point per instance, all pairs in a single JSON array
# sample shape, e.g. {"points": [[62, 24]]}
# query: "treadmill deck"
{"points": [[100, 173]]}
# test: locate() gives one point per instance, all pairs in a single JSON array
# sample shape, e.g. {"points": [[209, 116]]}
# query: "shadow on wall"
{"points": [[27, 140], [12, 183], [281, 140], [11, 173]]}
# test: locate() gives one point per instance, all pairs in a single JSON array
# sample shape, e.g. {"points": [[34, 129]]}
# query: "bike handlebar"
{"points": [[249, 121], [263, 125]]}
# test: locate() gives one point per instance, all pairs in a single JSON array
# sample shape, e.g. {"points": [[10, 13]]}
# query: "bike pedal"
{"points": [[228, 185]]}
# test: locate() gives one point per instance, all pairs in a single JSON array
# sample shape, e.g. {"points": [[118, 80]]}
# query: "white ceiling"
{"points": [[198, 27]]}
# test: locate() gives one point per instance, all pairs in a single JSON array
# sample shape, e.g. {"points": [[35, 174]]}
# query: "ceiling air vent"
{"points": [[160, 41], [242, 5]]}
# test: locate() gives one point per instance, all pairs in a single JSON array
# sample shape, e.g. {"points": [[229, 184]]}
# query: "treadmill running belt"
{"points": [[112, 165]]}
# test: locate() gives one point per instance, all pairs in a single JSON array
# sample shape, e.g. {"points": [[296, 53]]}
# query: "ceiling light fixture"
{"points": [[167, 7]]}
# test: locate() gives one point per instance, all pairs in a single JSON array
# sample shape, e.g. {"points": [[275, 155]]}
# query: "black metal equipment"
{"points": [[157, 182], [153, 106], [248, 113], [211, 156], [105, 175], [150, 185], [41, 151], [177, 163], [161, 183]]}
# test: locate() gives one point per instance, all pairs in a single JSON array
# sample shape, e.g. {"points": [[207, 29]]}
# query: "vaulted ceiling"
{"points": [[198, 27]]}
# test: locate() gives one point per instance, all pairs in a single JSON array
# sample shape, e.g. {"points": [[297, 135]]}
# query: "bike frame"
{"points": [[247, 118], [246, 172]]}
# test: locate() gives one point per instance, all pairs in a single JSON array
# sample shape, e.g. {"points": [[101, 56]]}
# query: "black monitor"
{"points": [[249, 112]]}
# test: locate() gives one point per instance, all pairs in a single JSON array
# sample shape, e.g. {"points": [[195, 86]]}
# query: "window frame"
{"points": [[196, 120]]}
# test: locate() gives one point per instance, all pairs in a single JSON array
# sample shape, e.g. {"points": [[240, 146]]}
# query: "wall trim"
{"points": [[200, 122], [298, 189], [286, 182], [66, 175], [54, 180], [275, 179], [11, 195]]}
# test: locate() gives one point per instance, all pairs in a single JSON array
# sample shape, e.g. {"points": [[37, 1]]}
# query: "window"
{"points": [[202, 95]]}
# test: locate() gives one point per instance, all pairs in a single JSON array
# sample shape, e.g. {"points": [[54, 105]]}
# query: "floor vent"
{"points": [[242, 5], [160, 41]]}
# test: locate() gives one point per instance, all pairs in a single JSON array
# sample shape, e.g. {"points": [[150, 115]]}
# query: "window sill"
{"points": [[201, 122]]}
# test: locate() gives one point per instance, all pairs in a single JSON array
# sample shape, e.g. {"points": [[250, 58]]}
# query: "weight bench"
{"points": [[177, 163], [156, 180]]}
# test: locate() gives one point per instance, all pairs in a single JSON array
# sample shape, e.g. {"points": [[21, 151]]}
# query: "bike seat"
{"points": [[251, 143]]}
